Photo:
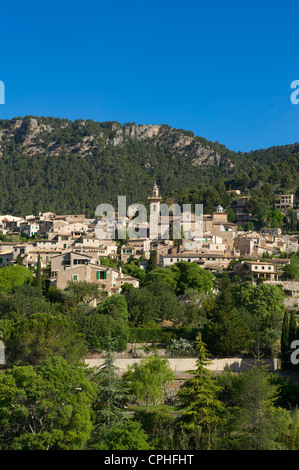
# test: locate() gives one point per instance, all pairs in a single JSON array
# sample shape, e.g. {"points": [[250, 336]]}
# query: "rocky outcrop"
{"points": [[47, 136]]}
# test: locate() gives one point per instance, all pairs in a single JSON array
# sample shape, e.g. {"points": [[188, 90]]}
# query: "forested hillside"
{"points": [[51, 164]]}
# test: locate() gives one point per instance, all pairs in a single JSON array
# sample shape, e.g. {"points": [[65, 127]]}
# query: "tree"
{"points": [[40, 336], [262, 212], [134, 271], [126, 435], [23, 301], [153, 302], [249, 227], [258, 424], [98, 327], [201, 409], [284, 343], [147, 378], [20, 259], [231, 216], [112, 392], [275, 218], [291, 270], [292, 327], [152, 262], [38, 278], [264, 303], [115, 306], [45, 408], [86, 292], [227, 331], [161, 275], [14, 276], [192, 276]]}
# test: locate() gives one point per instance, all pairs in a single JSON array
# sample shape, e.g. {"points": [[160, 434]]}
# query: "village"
{"points": [[69, 249]]}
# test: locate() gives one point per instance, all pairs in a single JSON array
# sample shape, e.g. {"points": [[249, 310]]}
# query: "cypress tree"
{"points": [[284, 343], [292, 328], [38, 280], [202, 411], [152, 262]]}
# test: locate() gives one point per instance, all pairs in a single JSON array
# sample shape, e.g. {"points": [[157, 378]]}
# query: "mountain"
{"points": [[56, 137], [72, 166]]}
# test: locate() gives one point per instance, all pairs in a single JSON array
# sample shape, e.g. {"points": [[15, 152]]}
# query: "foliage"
{"points": [[98, 327], [36, 338], [115, 306], [83, 291], [45, 408], [258, 424], [145, 334], [48, 181], [201, 408], [147, 378], [112, 393], [153, 302], [126, 435], [11, 276]]}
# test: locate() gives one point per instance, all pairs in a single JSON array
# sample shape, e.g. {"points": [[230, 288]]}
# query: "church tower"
{"points": [[155, 199]]}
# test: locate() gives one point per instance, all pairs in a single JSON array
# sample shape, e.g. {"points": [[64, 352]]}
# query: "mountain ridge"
{"points": [[72, 166]]}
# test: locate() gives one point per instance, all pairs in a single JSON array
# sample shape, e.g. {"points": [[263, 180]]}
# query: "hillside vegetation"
{"points": [[51, 164]]}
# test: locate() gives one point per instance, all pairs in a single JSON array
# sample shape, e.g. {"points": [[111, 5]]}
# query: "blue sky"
{"points": [[221, 69]]}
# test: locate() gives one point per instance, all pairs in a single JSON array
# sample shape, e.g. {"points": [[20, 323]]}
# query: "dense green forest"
{"points": [[50, 164], [50, 400]]}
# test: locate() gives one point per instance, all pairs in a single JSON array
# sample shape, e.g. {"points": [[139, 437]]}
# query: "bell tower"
{"points": [[155, 219], [155, 199]]}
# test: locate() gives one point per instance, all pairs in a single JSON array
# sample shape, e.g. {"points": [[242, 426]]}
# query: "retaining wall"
{"points": [[183, 365]]}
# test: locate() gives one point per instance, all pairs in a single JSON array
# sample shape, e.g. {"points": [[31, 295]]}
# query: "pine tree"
{"points": [[201, 409], [258, 423], [112, 392]]}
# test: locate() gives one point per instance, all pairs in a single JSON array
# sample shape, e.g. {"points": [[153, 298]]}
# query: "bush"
{"points": [[161, 335]]}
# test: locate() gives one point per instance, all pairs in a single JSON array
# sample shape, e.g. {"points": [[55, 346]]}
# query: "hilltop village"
{"points": [[69, 249]]}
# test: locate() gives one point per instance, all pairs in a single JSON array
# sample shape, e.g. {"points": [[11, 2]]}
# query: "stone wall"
{"points": [[182, 365]]}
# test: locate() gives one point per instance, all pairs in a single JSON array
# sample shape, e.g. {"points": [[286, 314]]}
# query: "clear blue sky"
{"points": [[222, 69]]}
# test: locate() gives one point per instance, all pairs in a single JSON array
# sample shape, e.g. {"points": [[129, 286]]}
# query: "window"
{"points": [[101, 274], [75, 277]]}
